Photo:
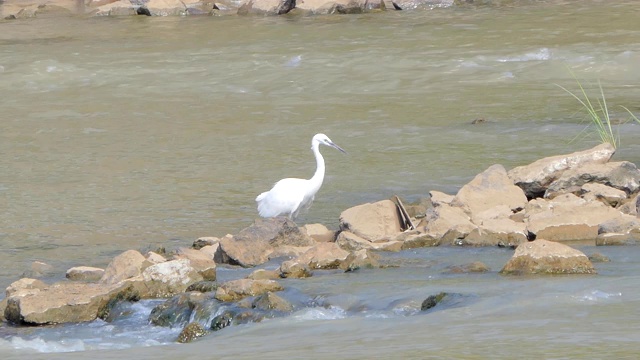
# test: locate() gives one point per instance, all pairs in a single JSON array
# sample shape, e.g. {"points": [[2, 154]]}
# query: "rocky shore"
{"points": [[538, 209], [17, 9]]}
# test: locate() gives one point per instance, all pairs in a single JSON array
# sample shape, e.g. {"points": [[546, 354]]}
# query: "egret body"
{"points": [[290, 196]]}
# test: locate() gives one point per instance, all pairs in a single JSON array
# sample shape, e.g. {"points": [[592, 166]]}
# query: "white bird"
{"points": [[289, 196]]}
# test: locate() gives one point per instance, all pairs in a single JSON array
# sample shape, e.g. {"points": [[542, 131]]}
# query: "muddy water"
{"points": [[142, 132]]}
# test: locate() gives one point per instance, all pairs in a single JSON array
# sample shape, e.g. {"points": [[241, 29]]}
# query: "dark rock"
{"points": [[270, 301], [175, 311], [598, 258], [191, 332], [203, 286], [432, 301]]}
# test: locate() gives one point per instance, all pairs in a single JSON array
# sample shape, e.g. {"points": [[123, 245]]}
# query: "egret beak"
{"points": [[336, 147]]}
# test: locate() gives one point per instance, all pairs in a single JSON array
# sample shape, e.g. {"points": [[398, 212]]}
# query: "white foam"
{"points": [[41, 345], [320, 313], [538, 55], [597, 295]]}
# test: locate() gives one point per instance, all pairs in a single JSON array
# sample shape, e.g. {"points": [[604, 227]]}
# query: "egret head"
{"points": [[324, 140]]}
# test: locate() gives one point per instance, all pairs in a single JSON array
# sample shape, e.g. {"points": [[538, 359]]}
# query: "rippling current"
{"points": [[136, 132]]}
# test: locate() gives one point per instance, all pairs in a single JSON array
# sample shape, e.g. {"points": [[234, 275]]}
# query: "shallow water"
{"points": [[122, 133]]}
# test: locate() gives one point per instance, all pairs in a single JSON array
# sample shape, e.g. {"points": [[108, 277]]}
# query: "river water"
{"points": [[140, 132]]}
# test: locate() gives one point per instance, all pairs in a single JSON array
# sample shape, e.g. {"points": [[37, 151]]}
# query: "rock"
{"points": [[39, 269], [323, 256], [375, 221], [497, 232], [288, 251], [352, 242], [234, 317], [270, 302], [547, 257], [118, 8], [432, 301], [608, 239], [319, 232], [474, 267], [127, 265], [630, 206], [263, 274], [330, 6], [598, 258], [266, 7], [623, 176], [438, 198], [238, 289], [166, 7], [496, 212], [447, 223], [619, 224], [294, 269], [567, 217], [166, 279], [488, 190], [358, 259], [25, 286], [61, 303], [84, 273], [190, 332], [199, 260], [175, 311], [608, 195], [537, 176], [154, 258], [203, 286], [205, 241], [417, 239], [290, 234]]}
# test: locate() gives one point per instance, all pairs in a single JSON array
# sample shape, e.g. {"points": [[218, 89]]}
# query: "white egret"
{"points": [[290, 196]]}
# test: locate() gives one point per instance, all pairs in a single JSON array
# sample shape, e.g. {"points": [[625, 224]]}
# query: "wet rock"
{"points": [[84, 273], [323, 256], [432, 301], [416, 239], [238, 289], [205, 241], [203, 286], [606, 194], [547, 257], [294, 270], [535, 178], [372, 222], [191, 332], [263, 274], [447, 223], [199, 260], [266, 7], [127, 265], [117, 8], [319, 232], [352, 242], [235, 317], [598, 258], [175, 311], [497, 232], [166, 279], [623, 176], [362, 258], [61, 303], [490, 189], [272, 302], [474, 267]]}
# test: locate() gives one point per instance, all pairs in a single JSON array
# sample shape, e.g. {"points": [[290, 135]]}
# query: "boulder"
{"points": [[319, 232], [606, 194], [190, 332], [266, 7], [25, 286], [623, 176], [438, 198], [84, 273], [154, 258], [205, 241], [166, 279], [474, 267], [537, 176], [199, 260], [417, 239], [127, 265], [547, 257], [61, 303], [447, 223], [288, 251], [272, 302], [375, 221], [264, 274], [362, 258], [294, 269], [631, 205], [237, 289], [352, 242], [488, 190], [332, 6], [501, 232], [323, 256]]}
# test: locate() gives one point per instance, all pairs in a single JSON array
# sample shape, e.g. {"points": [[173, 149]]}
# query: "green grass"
{"points": [[598, 114]]}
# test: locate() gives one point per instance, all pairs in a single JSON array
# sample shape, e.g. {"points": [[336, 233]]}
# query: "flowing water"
{"points": [[137, 132]]}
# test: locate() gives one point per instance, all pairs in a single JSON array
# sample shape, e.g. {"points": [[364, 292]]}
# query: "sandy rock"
{"points": [[492, 232], [266, 7], [319, 232], [547, 257], [629, 238], [568, 217], [205, 241], [263, 274], [238, 289], [289, 234], [61, 303], [488, 190], [323, 256], [606, 194], [331, 6], [127, 265], [417, 239], [352, 242], [294, 269], [447, 223], [288, 251], [623, 176], [117, 8], [166, 7], [154, 258], [362, 258], [166, 279], [200, 261], [497, 212], [537, 176], [375, 221], [84, 273], [270, 302], [631, 205], [438, 198], [25, 286]]}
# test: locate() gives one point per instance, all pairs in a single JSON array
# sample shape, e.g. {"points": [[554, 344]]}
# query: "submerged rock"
{"points": [[432, 301], [547, 257], [175, 311], [474, 267], [191, 332], [272, 302]]}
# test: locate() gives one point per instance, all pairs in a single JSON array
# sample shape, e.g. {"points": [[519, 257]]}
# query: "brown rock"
{"points": [[205, 241], [360, 259], [127, 265], [25, 286], [238, 289], [154, 258], [492, 232], [438, 198], [199, 260], [319, 232], [266, 7], [474, 267], [606, 194], [323, 256], [270, 301], [375, 221], [623, 176], [547, 257], [190, 332], [447, 220], [294, 270], [263, 274], [537, 176], [84, 273], [488, 190], [166, 279], [417, 239]]}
